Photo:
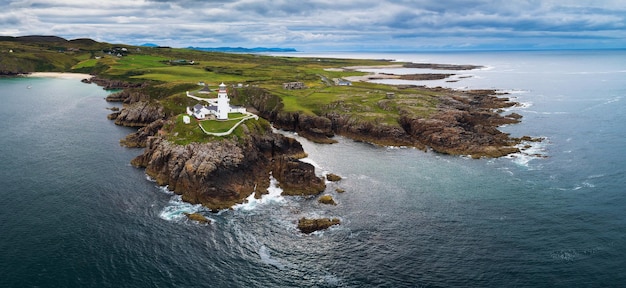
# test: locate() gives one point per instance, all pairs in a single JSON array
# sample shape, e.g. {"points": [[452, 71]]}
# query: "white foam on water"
{"points": [[266, 258], [165, 190], [513, 91], [310, 161], [273, 197], [529, 150], [331, 280], [565, 255], [176, 209]]}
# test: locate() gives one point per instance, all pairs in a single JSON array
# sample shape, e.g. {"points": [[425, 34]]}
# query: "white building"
{"points": [[219, 107], [223, 103]]}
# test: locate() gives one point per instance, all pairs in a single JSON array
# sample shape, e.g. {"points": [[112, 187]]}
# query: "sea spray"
{"points": [[177, 209], [273, 197]]}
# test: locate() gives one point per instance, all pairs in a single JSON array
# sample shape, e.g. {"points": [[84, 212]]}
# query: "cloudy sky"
{"points": [[327, 25]]}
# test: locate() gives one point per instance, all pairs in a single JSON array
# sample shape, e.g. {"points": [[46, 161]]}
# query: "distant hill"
{"points": [[34, 38], [243, 50]]}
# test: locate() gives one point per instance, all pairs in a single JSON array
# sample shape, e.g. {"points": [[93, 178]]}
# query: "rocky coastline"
{"points": [[465, 123], [220, 174]]}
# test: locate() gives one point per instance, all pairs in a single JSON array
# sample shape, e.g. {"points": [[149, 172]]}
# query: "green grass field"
{"points": [[168, 83]]}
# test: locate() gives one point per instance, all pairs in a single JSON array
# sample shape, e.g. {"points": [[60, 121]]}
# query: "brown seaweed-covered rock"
{"points": [[223, 173], [308, 226], [333, 177], [327, 199], [140, 114], [198, 217]]}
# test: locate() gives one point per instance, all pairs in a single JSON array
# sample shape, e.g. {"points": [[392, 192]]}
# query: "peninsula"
{"points": [[317, 98]]}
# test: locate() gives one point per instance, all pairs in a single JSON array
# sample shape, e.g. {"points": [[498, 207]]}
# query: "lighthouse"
{"points": [[223, 103]]}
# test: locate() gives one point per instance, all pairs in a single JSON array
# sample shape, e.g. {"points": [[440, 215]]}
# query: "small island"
{"points": [[217, 150]]}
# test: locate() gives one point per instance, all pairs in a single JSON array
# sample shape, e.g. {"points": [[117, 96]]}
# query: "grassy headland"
{"points": [[371, 110]]}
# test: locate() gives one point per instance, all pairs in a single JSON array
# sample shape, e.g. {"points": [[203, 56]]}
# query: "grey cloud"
{"points": [[317, 23]]}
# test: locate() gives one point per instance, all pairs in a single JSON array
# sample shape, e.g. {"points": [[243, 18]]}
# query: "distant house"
{"points": [[342, 82], [205, 90], [293, 85]]}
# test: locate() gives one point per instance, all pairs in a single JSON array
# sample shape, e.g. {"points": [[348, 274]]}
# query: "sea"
{"points": [[75, 213]]}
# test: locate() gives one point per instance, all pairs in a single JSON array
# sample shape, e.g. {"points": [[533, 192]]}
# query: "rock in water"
{"points": [[327, 199], [308, 226], [198, 217], [333, 177]]}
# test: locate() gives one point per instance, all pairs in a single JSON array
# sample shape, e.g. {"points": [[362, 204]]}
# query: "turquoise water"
{"points": [[74, 213]]}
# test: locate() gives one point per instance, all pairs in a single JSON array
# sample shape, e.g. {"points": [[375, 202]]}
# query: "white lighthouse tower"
{"points": [[223, 103]]}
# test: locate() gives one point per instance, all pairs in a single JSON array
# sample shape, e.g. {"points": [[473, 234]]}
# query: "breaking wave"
{"points": [[273, 197], [176, 209]]}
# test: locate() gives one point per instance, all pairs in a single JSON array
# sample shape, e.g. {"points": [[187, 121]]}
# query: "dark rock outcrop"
{"points": [[223, 173], [140, 138], [128, 96], [110, 84], [465, 124], [140, 114], [308, 226]]}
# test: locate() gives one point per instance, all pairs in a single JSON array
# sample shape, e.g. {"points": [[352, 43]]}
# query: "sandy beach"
{"points": [[61, 75]]}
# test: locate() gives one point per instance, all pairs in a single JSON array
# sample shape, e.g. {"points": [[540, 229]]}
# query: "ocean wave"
{"points": [[150, 178], [266, 258], [513, 91], [176, 209]]}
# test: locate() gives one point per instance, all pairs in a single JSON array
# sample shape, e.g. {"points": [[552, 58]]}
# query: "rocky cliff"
{"points": [[139, 114], [222, 173]]}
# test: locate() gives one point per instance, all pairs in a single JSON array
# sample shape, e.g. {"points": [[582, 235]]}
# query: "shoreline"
{"points": [[59, 75]]}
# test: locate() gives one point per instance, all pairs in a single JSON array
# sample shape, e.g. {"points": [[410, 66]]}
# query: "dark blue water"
{"points": [[74, 213]]}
